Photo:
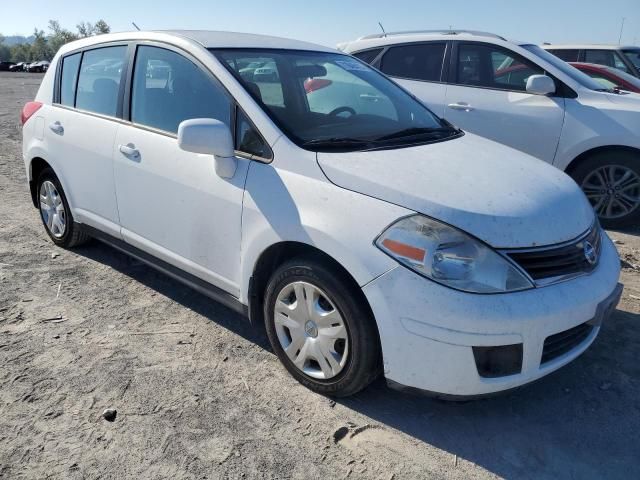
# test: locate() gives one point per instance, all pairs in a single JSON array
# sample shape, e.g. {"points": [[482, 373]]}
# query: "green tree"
{"points": [[59, 36], [5, 51], [40, 48], [21, 53], [85, 29], [101, 27]]}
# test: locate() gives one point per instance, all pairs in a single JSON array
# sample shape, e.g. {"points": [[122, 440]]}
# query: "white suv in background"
{"points": [[321, 198], [522, 96], [624, 58]]}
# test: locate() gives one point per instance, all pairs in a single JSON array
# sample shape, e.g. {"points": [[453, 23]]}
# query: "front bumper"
{"points": [[428, 331]]}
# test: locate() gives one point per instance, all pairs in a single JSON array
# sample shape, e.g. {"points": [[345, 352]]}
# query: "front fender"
{"points": [[281, 206]]}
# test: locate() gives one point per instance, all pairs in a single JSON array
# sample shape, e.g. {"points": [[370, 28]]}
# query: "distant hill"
{"points": [[16, 39]]}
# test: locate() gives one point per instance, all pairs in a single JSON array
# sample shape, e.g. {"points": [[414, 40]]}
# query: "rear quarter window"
{"points": [[69, 79]]}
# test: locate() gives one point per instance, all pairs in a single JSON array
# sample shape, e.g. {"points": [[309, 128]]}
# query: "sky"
{"points": [[328, 22]]}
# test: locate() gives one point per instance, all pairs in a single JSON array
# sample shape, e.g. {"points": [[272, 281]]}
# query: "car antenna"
{"points": [[382, 28], [134, 24]]}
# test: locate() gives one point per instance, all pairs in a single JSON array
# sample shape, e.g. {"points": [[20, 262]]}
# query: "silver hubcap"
{"points": [[52, 209], [613, 190], [311, 330]]}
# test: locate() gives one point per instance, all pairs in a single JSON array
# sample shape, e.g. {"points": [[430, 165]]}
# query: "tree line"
{"points": [[44, 46]]}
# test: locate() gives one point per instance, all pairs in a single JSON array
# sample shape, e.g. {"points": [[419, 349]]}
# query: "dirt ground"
{"points": [[198, 393]]}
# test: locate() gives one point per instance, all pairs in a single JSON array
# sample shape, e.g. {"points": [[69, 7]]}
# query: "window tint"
{"points": [[168, 88], [602, 80], [368, 55], [248, 140], [68, 80], [566, 55], [485, 66], [99, 80], [605, 57], [328, 96], [419, 62], [262, 77]]}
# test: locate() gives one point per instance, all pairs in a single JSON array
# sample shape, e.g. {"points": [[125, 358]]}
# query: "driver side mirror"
{"points": [[540, 85], [210, 137]]}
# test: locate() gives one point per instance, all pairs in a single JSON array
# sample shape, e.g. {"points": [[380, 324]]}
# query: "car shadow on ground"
{"points": [[581, 421]]}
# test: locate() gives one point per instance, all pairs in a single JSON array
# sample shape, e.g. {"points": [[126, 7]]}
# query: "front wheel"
{"points": [[611, 182], [320, 329]]}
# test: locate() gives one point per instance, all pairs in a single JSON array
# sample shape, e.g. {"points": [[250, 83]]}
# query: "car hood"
{"points": [[500, 195]]}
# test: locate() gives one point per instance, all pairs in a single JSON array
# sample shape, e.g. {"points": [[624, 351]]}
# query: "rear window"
{"points": [[417, 62], [99, 80], [69, 78], [368, 56]]}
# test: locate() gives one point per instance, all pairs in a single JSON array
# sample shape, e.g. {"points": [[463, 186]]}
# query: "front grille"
{"points": [[563, 342], [561, 261]]}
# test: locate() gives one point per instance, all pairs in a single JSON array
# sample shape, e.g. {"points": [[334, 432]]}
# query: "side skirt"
{"points": [[187, 279]]}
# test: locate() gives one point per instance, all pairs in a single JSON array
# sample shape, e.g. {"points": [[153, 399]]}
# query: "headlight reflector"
{"points": [[449, 256]]}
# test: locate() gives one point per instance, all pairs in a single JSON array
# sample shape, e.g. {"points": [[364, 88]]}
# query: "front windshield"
{"points": [[329, 101], [572, 72], [633, 56], [627, 77]]}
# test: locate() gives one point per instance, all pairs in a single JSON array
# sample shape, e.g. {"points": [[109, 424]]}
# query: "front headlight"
{"points": [[449, 256]]}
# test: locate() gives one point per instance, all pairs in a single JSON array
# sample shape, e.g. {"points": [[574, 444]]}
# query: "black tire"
{"points": [[619, 158], [363, 360], [73, 235]]}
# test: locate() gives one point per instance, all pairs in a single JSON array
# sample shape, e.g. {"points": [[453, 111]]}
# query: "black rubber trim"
{"points": [[188, 279]]}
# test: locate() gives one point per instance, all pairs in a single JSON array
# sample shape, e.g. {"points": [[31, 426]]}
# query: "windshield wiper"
{"points": [[336, 142], [416, 131]]}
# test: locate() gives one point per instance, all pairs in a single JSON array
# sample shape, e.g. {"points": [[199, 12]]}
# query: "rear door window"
{"points": [[169, 88], [99, 80], [69, 79], [416, 62]]}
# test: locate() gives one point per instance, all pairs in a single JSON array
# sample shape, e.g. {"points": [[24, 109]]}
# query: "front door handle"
{"points": [[129, 150], [462, 106], [56, 127]]}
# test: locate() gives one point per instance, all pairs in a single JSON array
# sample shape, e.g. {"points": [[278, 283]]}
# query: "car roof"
{"points": [[203, 38], [383, 39], [587, 45]]}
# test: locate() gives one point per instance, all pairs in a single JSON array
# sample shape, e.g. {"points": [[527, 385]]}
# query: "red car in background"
{"points": [[609, 77]]}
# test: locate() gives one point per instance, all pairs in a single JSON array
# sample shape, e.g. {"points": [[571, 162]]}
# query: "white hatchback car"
{"points": [[368, 234], [522, 96]]}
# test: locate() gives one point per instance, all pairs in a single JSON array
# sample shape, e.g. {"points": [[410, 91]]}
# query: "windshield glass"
{"points": [[329, 101], [572, 72], [633, 56], [627, 77]]}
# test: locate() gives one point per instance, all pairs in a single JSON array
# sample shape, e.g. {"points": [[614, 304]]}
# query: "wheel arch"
{"points": [[592, 151], [278, 253], [36, 166]]}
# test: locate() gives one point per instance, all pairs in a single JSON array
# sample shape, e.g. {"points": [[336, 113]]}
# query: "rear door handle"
{"points": [[129, 150], [56, 127], [463, 106]]}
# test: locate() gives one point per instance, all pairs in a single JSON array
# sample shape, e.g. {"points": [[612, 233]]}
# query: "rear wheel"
{"points": [[319, 328], [611, 182], [55, 212]]}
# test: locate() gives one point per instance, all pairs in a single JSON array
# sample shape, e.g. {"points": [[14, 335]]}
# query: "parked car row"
{"points": [[302, 187], [35, 67], [521, 95]]}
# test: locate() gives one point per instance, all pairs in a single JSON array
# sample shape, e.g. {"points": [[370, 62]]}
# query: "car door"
{"points": [[487, 96], [172, 203], [419, 68], [81, 129]]}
